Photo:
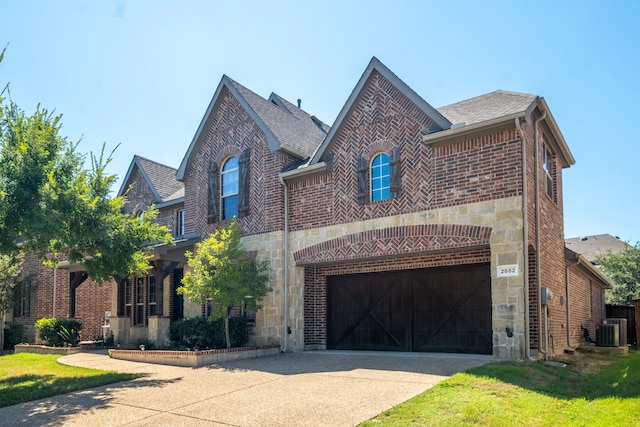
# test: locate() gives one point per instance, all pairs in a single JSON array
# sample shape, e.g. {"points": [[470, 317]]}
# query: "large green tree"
{"points": [[53, 206], [223, 272], [623, 268]]}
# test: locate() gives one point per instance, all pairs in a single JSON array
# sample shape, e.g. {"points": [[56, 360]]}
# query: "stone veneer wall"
{"points": [[503, 216]]}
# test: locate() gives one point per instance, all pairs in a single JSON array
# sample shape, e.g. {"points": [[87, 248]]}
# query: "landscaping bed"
{"points": [[195, 359], [43, 349]]}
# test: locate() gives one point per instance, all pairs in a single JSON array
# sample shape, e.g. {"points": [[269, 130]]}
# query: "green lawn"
{"points": [[593, 390], [28, 376]]}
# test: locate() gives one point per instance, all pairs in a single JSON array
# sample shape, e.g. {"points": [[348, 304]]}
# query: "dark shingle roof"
{"points": [[485, 107], [162, 178], [592, 246], [294, 128]]}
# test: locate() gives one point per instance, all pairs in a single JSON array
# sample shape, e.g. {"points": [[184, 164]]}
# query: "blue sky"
{"points": [[141, 73]]}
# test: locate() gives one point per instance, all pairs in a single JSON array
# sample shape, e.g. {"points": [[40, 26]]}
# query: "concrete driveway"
{"points": [[322, 388]]}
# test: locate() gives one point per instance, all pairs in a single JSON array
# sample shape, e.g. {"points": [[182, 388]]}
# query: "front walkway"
{"points": [[322, 388]]}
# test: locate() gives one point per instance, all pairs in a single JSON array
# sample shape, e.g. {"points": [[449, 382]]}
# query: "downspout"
{"points": [[537, 202], [285, 249], [525, 242], [55, 286]]}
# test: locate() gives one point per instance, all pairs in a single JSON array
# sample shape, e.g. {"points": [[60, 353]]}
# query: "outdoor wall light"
{"points": [[509, 332]]}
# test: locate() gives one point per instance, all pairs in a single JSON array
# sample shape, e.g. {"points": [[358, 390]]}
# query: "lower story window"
{"points": [[140, 299], [22, 307]]}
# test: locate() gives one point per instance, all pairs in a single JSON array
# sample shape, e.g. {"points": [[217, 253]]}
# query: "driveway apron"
{"points": [[319, 388]]}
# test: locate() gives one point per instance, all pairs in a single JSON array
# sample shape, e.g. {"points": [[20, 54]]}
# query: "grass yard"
{"points": [[29, 376], [593, 390]]}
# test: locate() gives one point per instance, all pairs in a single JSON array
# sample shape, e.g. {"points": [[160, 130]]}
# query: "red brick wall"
{"points": [[232, 131], [91, 300], [551, 270], [586, 306], [139, 195], [315, 283], [482, 168]]}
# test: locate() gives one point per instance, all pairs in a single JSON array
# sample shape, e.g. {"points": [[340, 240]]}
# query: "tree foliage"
{"points": [[51, 205], [623, 268], [223, 272]]}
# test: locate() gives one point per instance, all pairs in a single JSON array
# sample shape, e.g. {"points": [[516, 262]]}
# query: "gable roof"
{"points": [[287, 127], [587, 266], [356, 95], [496, 109], [160, 178], [486, 107], [592, 246]]}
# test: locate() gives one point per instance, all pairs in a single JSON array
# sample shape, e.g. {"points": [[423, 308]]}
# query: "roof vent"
{"points": [[584, 239], [299, 102]]}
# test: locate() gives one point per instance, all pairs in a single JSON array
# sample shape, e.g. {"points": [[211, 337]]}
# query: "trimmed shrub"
{"points": [[59, 332], [203, 333], [14, 334]]}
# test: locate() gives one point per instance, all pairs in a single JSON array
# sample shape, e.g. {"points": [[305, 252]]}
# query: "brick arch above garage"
{"points": [[394, 241]]}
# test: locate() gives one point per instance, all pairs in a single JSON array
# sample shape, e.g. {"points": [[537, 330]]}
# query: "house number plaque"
{"points": [[508, 270]]}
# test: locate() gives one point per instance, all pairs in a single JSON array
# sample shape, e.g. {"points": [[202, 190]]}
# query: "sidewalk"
{"points": [[321, 388]]}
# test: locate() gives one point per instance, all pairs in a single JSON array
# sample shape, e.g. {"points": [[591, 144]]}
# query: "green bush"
{"points": [[59, 332], [203, 333], [14, 334]]}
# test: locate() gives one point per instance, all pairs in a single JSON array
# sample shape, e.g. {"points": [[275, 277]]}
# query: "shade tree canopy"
{"points": [[53, 206], [623, 268]]}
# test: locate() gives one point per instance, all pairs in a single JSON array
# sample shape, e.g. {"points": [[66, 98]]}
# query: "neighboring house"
{"points": [[592, 246], [49, 292], [401, 227]]}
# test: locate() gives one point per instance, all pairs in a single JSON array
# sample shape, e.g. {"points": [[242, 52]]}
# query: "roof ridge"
{"points": [[153, 161]]}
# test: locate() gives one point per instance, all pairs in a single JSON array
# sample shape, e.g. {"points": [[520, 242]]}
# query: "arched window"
{"points": [[229, 179], [380, 178]]}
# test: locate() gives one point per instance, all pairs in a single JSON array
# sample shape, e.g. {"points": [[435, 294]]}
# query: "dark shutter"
{"points": [[394, 163], [363, 178], [212, 211], [243, 188]]}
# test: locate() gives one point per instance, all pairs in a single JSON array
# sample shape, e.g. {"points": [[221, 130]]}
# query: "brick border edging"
{"points": [[194, 359], [43, 349]]}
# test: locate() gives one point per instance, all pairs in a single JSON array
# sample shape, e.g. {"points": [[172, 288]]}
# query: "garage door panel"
{"points": [[444, 309], [368, 312]]}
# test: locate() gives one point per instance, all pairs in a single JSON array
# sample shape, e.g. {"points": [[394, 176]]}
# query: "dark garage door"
{"points": [[445, 309]]}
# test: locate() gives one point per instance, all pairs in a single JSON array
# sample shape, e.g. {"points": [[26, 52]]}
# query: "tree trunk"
{"points": [[1, 332]]}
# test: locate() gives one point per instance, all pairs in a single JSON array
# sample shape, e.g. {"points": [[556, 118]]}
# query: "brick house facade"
{"points": [[401, 227], [49, 292]]}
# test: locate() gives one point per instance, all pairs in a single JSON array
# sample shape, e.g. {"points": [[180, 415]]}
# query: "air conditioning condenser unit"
{"points": [[608, 335], [622, 328]]}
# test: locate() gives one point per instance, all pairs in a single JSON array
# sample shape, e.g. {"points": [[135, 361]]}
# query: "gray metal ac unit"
{"points": [[608, 335], [622, 328]]}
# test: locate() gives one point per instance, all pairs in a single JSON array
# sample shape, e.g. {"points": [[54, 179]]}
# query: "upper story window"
{"points": [[229, 178], [547, 164], [380, 178], [229, 188], [180, 223]]}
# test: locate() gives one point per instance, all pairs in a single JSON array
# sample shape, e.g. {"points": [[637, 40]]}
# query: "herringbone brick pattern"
{"points": [[394, 241], [231, 132]]}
